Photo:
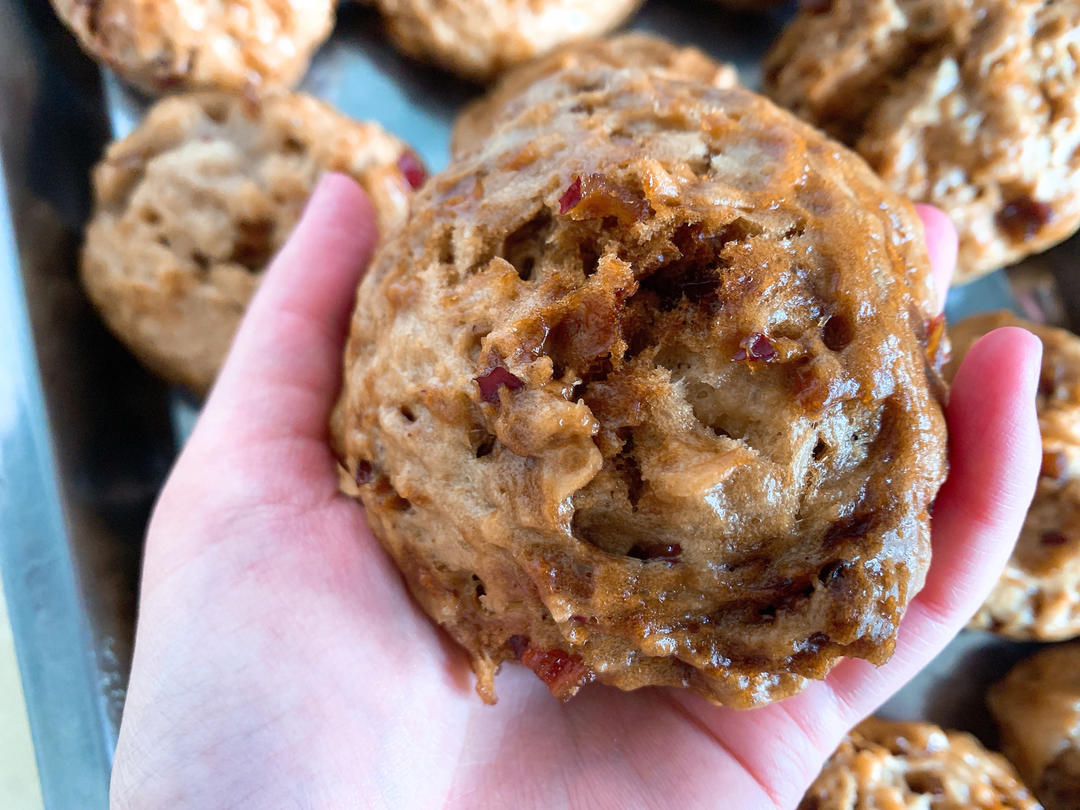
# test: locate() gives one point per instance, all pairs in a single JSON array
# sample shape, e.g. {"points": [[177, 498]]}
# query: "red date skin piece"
{"points": [[596, 196], [572, 196], [755, 347], [563, 673], [413, 169], [365, 473], [489, 383]]}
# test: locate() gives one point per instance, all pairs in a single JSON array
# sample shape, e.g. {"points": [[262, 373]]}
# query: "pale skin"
{"points": [[280, 662]]}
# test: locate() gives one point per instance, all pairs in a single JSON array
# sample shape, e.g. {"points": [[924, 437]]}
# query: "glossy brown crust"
{"points": [[480, 38], [190, 207], [972, 105], [1038, 595], [1037, 708], [883, 765], [641, 394], [479, 119], [161, 45]]}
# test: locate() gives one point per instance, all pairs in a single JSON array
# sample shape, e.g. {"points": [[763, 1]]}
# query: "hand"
{"points": [[279, 661]]}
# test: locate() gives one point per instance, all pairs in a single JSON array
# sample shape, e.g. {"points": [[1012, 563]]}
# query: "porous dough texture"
{"points": [[1037, 708], [1038, 595], [479, 38], [161, 45], [634, 50], [646, 392], [884, 765], [971, 105], [190, 207]]}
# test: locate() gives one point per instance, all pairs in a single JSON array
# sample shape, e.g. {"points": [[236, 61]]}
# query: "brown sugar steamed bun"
{"points": [[162, 45], [1037, 708], [633, 50], [192, 205], [479, 38], [883, 765], [645, 392], [971, 105], [1038, 594]]}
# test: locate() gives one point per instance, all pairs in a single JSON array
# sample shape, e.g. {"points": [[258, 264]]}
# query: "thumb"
{"points": [[284, 367]]}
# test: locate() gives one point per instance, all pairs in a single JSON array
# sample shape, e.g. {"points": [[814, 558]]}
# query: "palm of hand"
{"points": [[280, 661]]}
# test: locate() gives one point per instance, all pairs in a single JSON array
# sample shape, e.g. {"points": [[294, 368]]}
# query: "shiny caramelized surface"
{"points": [[646, 392]]}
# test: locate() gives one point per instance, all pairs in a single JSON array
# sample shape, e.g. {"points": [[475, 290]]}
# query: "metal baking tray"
{"points": [[87, 436]]}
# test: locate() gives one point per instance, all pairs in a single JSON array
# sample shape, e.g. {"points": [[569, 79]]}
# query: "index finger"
{"points": [[941, 244]]}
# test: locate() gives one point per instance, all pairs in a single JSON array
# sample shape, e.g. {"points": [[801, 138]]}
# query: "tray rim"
{"points": [[52, 637]]}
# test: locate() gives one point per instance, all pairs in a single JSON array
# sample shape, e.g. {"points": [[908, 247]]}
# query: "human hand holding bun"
{"points": [[278, 654]]}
